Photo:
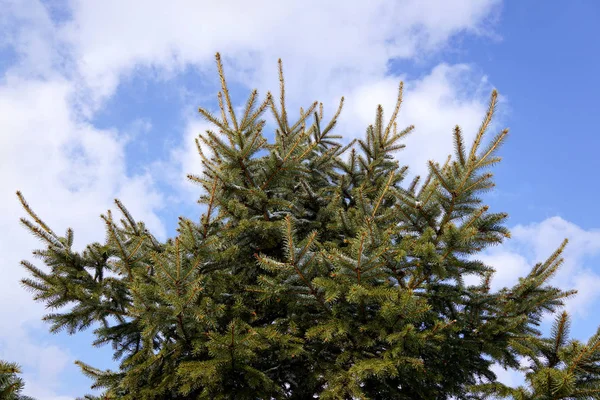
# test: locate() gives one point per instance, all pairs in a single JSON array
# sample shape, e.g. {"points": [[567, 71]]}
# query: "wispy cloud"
{"points": [[535, 242]]}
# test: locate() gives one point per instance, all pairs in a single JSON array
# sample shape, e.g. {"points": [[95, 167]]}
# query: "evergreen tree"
{"points": [[11, 385], [316, 270], [558, 368]]}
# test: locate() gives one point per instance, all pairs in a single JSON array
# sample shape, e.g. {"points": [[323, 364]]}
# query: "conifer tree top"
{"points": [[316, 270]]}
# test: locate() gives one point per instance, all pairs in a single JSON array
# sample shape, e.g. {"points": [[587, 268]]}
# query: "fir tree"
{"points": [[558, 368], [11, 385], [316, 270]]}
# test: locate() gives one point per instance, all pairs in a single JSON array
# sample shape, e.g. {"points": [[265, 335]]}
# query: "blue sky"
{"points": [[98, 100]]}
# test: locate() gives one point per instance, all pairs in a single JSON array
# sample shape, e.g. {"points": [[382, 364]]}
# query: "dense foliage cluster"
{"points": [[11, 385], [316, 271]]}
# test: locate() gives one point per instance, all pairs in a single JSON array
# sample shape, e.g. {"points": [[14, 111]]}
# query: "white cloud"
{"points": [[544, 238], [42, 364], [509, 266], [324, 44], [28, 29], [508, 376], [586, 282], [182, 160], [70, 172], [434, 104], [534, 243]]}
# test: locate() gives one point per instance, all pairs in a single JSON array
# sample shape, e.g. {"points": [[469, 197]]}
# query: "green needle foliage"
{"points": [[11, 385], [558, 368], [316, 271]]}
